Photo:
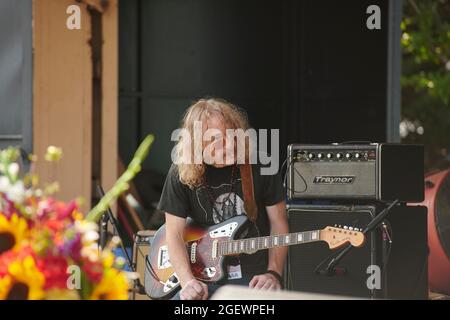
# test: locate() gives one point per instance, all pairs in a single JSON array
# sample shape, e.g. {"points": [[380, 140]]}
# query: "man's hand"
{"points": [[265, 281], [194, 290]]}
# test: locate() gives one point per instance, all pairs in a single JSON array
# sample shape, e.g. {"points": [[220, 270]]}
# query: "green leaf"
{"points": [[122, 184]]}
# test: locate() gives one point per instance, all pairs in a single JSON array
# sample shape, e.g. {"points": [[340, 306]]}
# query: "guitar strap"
{"points": [[248, 191]]}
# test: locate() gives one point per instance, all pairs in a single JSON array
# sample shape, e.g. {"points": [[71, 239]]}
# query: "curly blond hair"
{"points": [[192, 174]]}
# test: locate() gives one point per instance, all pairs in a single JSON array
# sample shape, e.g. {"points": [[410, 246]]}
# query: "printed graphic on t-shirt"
{"points": [[226, 205]]}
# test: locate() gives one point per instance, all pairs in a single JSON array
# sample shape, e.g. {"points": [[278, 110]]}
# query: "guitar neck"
{"points": [[251, 245]]}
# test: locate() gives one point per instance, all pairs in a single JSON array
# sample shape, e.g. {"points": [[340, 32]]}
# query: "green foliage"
{"points": [[426, 73], [121, 184]]}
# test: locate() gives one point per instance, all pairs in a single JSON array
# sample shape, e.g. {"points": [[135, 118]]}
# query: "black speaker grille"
{"points": [[303, 259], [405, 275]]}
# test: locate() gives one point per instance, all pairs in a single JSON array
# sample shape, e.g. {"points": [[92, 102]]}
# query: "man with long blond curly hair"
{"points": [[204, 183]]}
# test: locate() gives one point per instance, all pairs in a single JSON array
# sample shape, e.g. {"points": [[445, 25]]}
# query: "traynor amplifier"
{"points": [[384, 172]]}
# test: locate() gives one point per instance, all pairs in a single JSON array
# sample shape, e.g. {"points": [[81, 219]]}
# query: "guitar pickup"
{"points": [[193, 252], [214, 250]]}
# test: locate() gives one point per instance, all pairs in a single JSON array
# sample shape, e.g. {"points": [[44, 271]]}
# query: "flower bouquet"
{"points": [[48, 248]]}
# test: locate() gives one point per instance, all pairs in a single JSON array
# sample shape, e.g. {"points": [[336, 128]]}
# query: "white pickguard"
{"points": [[224, 231], [163, 258]]}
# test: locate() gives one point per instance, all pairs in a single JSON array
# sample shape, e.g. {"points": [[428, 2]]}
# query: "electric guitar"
{"points": [[208, 247]]}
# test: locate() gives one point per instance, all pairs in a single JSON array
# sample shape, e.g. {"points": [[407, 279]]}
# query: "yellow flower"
{"points": [[107, 258], [53, 154], [113, 286], [23, 281], [12, 232]]}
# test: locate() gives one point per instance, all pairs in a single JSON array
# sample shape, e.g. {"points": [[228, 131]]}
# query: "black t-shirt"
{"points": [[180, 200]]}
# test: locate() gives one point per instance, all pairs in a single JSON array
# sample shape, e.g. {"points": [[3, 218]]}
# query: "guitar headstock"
{"points": [[337, 236]]}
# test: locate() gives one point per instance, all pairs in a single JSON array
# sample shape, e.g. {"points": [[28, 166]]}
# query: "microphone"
{"points": [[331, 267]]}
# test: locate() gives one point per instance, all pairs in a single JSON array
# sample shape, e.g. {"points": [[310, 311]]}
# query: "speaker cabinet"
{"points": [[378, 269]]}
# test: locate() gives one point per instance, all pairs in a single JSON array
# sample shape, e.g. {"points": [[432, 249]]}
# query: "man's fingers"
{"points": [[267, 285], [186, 295], [197, 286], [189, 293], [260, 283], [253, 282], [205, 291], [195, 290]]}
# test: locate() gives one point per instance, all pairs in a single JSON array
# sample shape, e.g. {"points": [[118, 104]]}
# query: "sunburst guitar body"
{"points": [[207, 248]]}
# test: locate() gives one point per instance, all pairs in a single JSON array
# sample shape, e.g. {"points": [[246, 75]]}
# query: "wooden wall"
{"points": [[62, 85]]}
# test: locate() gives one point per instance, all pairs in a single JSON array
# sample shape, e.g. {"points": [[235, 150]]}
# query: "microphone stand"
{"points": [[109, 217], [335, 258]]}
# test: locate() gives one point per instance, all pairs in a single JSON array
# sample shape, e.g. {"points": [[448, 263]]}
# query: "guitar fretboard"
{"points": [[250, 245]]}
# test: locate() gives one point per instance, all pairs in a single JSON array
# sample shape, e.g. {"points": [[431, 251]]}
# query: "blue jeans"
{"points": [[212, 287]]}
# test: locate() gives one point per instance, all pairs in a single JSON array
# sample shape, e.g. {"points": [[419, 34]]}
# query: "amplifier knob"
{"points": [[339, 155], [320, 155], [311, 156], [329, 155], [348, 155], [357, 155]]}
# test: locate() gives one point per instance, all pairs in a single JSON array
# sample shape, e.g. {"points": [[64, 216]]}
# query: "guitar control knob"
{"points": [[339, 155]]}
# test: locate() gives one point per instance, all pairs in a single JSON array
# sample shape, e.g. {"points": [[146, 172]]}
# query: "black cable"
{"points": [[298, 173], [152, 271]]}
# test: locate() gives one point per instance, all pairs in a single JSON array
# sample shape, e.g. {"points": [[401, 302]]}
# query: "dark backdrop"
{"points": [[310, 68]]}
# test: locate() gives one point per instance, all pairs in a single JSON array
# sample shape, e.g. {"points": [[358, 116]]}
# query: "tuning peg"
{"points": [[350, 228], [345, 227], [335, 225]]}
